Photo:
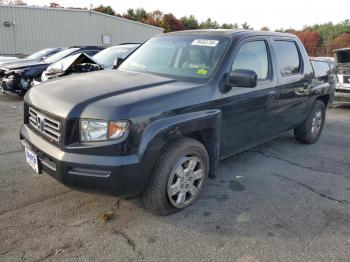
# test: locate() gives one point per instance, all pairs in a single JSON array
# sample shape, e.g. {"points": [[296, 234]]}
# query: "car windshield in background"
{"points": [[39, 54], [178, 57], [321, 68], [58, 56], [106, 57]]}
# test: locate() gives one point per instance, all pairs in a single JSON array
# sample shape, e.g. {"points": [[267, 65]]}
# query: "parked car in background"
{"points": [[83, 63], [324, 68], [35, 57], [110, 55], [183, 101], [19, 77], [7, 58], [342, 65]]}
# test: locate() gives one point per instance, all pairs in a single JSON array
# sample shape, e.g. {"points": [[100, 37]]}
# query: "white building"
{"points": [[25, 29]]}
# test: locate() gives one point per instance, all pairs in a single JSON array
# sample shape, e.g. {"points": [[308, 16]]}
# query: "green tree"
{"points": [[189, 22], [105, 9], [140, 14], [209, 24], [229, 26], [246, 26]]}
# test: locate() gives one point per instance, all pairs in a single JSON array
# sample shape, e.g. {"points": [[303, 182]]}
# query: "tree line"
{"points": [[318, 39]]}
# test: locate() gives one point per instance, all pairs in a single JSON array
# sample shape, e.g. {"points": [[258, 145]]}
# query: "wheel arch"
{"points": [[325, 99], [204, 126]]}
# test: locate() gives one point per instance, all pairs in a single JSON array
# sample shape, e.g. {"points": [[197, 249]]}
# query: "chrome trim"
{"points": [[45, 124], [89, 172]]}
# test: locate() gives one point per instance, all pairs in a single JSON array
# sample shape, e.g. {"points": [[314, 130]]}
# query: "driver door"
{"points": [[248, 113]]}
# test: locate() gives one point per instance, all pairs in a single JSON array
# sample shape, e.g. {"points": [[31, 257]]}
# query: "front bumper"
{"points": [[342, 93], [342, 96], [120, 175]]}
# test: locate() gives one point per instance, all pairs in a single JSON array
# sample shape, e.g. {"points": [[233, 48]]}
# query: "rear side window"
{"points": [[253, 56], [320, 68], [287, 57]]}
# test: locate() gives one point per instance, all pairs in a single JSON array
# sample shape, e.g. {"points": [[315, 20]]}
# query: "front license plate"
{"points": [[32, 160]]}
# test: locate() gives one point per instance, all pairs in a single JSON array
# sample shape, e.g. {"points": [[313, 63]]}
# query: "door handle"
{"points": [[271, 95]]}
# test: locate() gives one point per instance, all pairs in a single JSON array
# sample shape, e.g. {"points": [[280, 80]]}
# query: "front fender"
{"points": [[206, 122]]}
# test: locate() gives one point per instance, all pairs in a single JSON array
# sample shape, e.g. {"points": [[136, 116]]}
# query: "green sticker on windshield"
{"points": [[202, 71]]}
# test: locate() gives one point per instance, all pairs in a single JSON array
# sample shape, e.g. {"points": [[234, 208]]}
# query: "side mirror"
{"points": [[242, 78], [117, 62], [44, 58]]}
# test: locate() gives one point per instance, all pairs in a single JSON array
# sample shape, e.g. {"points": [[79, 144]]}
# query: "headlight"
{"points": [[26, 82], [100, 130], [44, 77]]}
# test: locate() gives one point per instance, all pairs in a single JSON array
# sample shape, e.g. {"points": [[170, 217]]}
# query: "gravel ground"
{"points": [[281, 201]]}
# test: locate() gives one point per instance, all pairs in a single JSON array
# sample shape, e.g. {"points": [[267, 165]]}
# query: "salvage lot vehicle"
{"points": [[19, 78], [35, 57], [342, 60], [83, 63], [7, 58], [161, 123]]}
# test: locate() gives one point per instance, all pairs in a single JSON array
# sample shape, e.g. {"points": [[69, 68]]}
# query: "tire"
{"points": [[178, 177], [310, 130]]}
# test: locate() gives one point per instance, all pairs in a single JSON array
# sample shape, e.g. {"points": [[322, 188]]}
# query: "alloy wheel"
{"points": [[186, 181]]}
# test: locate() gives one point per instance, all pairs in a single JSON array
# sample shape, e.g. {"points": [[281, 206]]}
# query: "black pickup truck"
{"points": [[160, 124]]}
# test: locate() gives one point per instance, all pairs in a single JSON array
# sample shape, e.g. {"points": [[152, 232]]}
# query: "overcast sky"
{"points": [[258, 13]]}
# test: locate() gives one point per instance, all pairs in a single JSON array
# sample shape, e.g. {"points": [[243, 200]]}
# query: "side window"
{"points": [[320, 68], [253, 56], [287, 57]]}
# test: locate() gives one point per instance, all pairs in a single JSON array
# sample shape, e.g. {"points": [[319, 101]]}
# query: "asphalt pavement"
{"points": [[281, 201]]}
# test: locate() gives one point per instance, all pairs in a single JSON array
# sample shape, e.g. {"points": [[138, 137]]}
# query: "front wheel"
{"points": [[178, 177], [310, 130]]}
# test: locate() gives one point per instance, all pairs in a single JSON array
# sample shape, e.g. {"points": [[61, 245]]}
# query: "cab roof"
{"points": [[230, 33]]}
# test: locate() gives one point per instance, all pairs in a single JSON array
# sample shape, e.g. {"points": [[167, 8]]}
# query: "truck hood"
{"points": [[95, 93]]}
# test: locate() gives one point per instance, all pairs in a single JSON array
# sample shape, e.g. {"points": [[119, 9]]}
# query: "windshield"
{"points": [[58, 56], [39, 54], [106, 57], [190, 57]]}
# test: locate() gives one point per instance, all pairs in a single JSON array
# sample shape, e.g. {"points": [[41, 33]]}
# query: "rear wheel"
{"points": [[178, 177], [310, 130]]}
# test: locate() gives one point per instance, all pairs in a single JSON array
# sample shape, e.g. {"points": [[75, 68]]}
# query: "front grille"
{"points": [[46, 125]]}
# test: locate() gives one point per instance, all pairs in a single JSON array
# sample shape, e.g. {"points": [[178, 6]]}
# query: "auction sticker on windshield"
{"points": [[205, 42], [32, 160]]}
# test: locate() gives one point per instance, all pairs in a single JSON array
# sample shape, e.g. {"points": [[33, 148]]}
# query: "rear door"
{"points": [[293, 83], [248, 113]]}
